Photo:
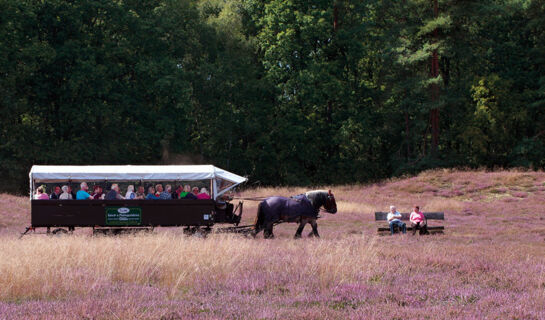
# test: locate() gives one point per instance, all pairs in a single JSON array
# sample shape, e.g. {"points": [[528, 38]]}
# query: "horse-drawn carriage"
{"points": [[114, 216], [128, 215]]}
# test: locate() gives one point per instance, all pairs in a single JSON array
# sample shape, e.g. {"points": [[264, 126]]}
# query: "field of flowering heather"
{"points": [[489, 264]]}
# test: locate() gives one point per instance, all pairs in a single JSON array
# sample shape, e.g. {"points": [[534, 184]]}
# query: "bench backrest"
{"points": [[382, 216]]}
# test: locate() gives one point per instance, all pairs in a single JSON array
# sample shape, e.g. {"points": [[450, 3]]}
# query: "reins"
{"points": [[251, 199]]}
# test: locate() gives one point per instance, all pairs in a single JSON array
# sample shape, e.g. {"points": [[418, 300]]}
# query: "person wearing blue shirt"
{"points": [[167, 194], [82, 193], [151, 194]]}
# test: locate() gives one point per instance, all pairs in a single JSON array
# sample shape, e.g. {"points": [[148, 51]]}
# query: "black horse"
{"points": [[302, 209]]}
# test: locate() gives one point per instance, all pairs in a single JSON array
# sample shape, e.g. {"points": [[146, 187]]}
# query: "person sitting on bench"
{"points": [[418, 221], [394, 220]]}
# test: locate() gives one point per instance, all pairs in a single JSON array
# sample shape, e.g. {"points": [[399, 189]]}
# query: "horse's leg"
{"points": [[258, 223], [302, 224], [314, 225], [256, 231], [268, 232]]}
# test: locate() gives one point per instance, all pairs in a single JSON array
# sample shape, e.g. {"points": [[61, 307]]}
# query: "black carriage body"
{"points": [[124, 213], [134, 213]]}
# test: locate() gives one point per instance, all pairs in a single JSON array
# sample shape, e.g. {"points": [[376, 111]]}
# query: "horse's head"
{"points": [[330, 205]]}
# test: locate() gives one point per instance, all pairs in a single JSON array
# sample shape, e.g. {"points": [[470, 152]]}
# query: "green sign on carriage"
{"points": [[123, 216]]}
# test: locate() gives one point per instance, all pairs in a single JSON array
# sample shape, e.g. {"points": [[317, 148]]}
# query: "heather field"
{"points": [[489, 264]]}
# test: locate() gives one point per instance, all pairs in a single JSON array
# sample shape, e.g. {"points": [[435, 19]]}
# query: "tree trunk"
{"points": [[335, 16], [434, 113], [408, 136]]}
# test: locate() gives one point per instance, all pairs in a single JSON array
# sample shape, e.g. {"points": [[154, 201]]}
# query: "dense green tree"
{"points": [[284, 91]]}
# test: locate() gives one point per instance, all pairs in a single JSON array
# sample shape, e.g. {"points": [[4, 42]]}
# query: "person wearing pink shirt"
{"points": [[40, 194], [418, 221], [203, 195]]}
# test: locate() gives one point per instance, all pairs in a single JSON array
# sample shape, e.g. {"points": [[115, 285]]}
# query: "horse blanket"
{"points": [[288, 209]]}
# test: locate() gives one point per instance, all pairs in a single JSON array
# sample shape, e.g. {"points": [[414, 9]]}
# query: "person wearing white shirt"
{"points": [[65, 195], [394, 219], [130, 195]]}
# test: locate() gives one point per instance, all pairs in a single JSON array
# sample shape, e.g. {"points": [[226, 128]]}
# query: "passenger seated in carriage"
{"points": [[82, 193], [185, 191], [56, 193], [187, 194], [140, 194], [204, 194], [130, 195], [113, 194], [151, 194], [71, 192], [166, 195], [65, 195], [158, 190], [176, 193], [40, 194], [97, 192]]}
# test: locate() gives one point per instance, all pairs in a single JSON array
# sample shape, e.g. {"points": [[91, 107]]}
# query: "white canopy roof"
{"points": [[49, 174]]}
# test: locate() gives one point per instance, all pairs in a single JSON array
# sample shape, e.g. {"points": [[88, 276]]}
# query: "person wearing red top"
{"points": [[418, 221], [97, 192]]}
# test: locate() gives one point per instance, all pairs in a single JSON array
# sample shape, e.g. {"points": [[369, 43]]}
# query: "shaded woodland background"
{"points": [[286, 92]]}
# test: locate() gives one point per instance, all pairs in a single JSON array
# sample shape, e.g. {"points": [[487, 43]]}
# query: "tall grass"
{"points": [[489, 264], [62, 266]]}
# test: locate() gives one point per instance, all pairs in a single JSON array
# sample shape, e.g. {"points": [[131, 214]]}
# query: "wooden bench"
{"points": [[381, 216]]}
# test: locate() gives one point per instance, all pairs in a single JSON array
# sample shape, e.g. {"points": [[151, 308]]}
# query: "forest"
{"points": [[286, 92]]}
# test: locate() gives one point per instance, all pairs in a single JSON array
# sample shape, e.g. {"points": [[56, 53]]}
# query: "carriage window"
{"points": [[224, 186]]}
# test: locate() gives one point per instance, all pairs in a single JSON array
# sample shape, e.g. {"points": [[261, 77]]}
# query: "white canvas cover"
{"points": [[52, 174]]}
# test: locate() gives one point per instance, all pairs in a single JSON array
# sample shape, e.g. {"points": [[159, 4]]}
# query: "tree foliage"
{"points": [[284, 91]]}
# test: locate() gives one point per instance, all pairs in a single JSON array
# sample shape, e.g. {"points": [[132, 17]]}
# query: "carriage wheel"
{"points": [[204, 232], [201, 233], [59, 231], [189, 231], [197, 231]]}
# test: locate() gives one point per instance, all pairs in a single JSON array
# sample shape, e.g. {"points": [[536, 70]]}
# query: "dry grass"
{"points": [[448, 205], [12, 209], [172, 262], [489, 264]]}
